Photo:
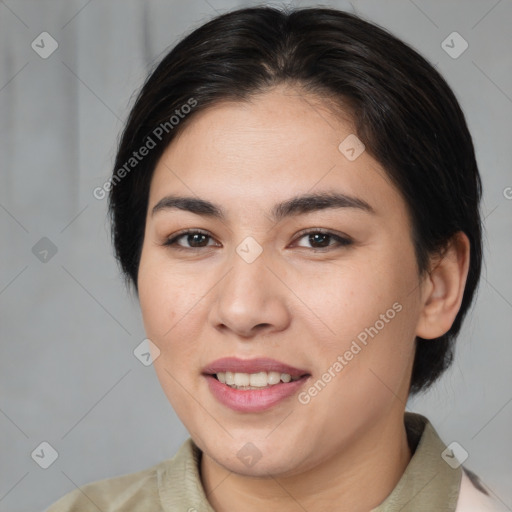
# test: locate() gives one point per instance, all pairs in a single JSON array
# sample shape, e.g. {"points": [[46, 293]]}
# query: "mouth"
{"points": [[258, 380], [253, 385]]}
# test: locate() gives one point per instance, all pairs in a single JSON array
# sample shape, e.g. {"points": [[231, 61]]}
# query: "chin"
{"points": [[260, 459], [263, 468]]}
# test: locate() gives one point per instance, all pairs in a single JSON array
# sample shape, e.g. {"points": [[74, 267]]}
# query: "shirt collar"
{"points": [[428, 483]]}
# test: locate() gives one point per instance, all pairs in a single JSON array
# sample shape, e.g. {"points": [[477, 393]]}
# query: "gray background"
{"points": [[68, 328]]}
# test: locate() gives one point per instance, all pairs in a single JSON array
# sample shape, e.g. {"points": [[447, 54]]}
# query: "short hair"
{"points": [[403, 111]]}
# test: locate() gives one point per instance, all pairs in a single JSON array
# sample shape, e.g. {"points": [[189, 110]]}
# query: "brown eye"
{"points": [[194, 238], [319, 239]]}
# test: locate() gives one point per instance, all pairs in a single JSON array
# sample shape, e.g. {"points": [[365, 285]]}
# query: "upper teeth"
{"points": [[256, 380]]}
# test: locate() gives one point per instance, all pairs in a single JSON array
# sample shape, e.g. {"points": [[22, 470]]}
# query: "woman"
{"points": [[295, 200]]}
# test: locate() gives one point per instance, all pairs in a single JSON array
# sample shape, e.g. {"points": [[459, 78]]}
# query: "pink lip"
{"points": [[252, 400], [259, 364]]}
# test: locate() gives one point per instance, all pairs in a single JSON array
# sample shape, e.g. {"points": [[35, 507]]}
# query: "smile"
{"points": [[253, 380], [252, 385]]}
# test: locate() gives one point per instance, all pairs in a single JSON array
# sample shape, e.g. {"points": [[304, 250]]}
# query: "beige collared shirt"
{"points": [[429, 483]]}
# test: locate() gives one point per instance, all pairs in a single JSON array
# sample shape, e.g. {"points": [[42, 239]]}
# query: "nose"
{"points": [[251, 299]]}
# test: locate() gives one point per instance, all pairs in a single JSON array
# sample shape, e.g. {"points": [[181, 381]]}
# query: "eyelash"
{"points": [[342, 241]]}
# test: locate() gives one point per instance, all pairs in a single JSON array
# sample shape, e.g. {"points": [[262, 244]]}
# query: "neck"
{"points": [[352, 481]]}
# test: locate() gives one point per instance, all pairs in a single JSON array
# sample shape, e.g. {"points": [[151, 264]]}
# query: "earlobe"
{"points": [[443, 288]]}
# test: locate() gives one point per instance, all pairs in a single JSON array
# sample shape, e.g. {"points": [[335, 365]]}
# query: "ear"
{"points": [[443, 288]]}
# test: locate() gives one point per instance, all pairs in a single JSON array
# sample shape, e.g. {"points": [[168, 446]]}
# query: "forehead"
{"points": [[277, 145]]}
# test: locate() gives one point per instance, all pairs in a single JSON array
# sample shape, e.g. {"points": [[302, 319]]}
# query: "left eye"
{"points": [[322, 239]]}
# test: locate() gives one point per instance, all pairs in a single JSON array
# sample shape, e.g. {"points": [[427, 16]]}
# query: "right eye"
{"points": [[195, 238]]}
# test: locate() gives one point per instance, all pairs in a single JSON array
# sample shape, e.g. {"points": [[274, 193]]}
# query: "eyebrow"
{"points": [[298, 205]]}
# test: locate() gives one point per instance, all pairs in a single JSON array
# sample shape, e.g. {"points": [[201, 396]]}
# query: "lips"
{"points": [[248, 398], [262, 364]]}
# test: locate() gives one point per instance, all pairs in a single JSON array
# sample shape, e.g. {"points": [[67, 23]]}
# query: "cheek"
{"points": [[371, 310], [169, 310], [349, 297], [167, 295], [174, 305]]}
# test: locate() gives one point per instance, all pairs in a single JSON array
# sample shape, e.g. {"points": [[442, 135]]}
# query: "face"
{"points": [[320, 293]]}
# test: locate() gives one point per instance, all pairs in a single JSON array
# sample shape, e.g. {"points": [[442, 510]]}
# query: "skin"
{"points": [[294, 303]]}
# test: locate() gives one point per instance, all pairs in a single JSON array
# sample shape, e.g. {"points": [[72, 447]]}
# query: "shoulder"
{"points": [[474, 496], [123, 493], [173, 480]]}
